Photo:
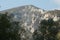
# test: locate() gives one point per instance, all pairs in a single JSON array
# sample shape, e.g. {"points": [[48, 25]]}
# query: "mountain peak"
{"points": [[32, 6]]}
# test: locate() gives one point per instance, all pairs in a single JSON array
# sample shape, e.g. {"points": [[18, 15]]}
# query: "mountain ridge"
{"points": [[20, 7], [31, 15]]}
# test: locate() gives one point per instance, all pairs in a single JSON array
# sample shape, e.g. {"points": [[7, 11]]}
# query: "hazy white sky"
{"points": [[44, 4]]}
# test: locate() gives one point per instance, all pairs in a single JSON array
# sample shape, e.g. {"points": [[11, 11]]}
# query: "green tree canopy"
{"points": [[48, 30], [8, 30]]}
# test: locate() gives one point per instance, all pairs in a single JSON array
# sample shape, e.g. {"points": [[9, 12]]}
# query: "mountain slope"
{"points": [[31, 16]]}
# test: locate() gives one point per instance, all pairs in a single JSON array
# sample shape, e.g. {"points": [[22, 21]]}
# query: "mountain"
{"points": [[31, 16]]}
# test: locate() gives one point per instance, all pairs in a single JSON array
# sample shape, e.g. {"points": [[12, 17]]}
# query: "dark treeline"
{"points": [[8, 30], [48, 30]]}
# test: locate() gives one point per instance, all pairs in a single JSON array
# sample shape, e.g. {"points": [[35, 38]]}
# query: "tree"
{"points": [[8, 30], [37, 35], [4, 25], [47, 30]]}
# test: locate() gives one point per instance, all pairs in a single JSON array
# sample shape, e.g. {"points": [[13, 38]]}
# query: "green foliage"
{"points": [[8, 30], [47, 30], [37, 36]]}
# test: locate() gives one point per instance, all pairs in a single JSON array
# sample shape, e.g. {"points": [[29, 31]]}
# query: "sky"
{"points": [[44, 4]]}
